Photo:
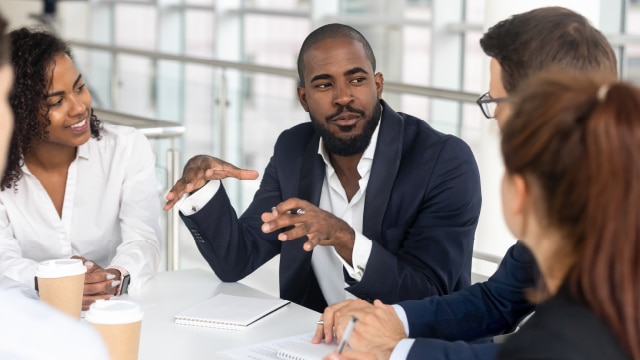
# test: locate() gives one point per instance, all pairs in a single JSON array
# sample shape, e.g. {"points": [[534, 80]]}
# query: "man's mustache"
{"points": [[344, 108]]}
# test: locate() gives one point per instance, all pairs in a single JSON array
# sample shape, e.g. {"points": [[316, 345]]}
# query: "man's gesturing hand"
{"points": [[199, 170]]}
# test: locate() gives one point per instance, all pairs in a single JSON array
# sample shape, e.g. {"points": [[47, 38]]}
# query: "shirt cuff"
{"points": [[401, 351], [191, 204], [359, 256], [402, 315]]}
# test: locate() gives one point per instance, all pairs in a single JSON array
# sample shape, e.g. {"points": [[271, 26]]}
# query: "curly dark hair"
{"points": [[32, 54]]}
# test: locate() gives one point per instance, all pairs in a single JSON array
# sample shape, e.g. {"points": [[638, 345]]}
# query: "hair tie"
{"points": [[602, 93]]}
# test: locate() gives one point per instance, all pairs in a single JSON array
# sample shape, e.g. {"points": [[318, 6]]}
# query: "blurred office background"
{"points": [[223, 74]]}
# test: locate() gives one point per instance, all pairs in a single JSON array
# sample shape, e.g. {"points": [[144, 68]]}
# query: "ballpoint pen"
{"points": [[292, 212], [347, 333]]}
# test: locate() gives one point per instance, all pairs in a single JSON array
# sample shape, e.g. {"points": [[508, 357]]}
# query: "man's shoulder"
{"points": [[300, 129], [421, 131], [420, 137]]}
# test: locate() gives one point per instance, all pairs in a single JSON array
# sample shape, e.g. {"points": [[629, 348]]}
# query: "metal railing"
{"points": [[427, 91]]}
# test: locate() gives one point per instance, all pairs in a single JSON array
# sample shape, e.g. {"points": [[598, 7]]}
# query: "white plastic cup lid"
{"points": [[113, 312], [60, 268]]}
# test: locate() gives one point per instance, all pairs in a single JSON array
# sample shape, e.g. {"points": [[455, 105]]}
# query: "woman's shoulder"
{"points": [[118, 135], [117, 141], [563, 328], [118, 131]]}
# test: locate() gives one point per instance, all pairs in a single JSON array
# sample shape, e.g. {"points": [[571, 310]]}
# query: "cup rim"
{"points": [[112, 312], [56, 268]]}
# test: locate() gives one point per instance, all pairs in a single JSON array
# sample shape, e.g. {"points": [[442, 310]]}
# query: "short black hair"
{"points": [[332, 31], [544, 38]]}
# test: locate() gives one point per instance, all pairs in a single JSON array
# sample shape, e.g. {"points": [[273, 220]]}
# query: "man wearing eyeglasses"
{"points": [[441, 327], [487, 103]]}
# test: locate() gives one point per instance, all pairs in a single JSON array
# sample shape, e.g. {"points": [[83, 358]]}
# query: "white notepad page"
{"points": [[293, 347], [228, 311]]}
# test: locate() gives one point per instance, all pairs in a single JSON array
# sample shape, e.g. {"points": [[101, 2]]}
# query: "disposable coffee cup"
{"points": [[61, 283], [118, 322]]}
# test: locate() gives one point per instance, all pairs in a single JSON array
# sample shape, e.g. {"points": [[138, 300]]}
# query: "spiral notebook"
{"points": [[228, 312], [297, 347], [305, 351]]}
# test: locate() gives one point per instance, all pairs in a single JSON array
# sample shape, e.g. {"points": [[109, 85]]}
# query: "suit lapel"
{"points": [[386, 161], [297, 279], [312, 172]]}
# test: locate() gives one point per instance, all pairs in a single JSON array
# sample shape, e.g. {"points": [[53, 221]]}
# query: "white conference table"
{"points": [[168, 293]]}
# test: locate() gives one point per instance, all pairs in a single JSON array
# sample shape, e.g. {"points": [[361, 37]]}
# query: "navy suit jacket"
{"points": [[421, 210], [564, 327], [443, 324]]}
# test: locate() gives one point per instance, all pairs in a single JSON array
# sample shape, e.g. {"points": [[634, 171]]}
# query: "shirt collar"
{"points": [[84, 151]]}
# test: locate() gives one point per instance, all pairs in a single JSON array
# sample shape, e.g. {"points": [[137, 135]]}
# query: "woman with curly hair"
{"points": [[73, 187], [58, 336]]}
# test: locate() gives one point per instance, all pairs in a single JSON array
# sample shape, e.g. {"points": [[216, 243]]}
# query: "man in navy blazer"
{"points": [[362, 198], [442, 327]]}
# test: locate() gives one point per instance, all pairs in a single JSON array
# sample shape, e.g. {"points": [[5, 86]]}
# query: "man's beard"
{"points": [[351, 145]]}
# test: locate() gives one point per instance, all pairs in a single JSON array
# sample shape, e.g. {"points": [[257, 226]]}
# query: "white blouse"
{"points": [[110, 214]]}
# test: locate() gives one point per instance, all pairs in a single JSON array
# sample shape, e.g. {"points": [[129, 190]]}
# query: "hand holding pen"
{"points": [[347, 334], [298, 218], [379, 328], [335, 319], [340, 354]]}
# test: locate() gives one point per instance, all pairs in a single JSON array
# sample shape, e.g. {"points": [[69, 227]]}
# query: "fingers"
{"points": [[175, 194], [201, 169], [243, 174], [98, 276], [332, 317], [107, 287], [100, 282], [378, 330], [92, 266], [318, 336], [78, 257], [292, 212]]}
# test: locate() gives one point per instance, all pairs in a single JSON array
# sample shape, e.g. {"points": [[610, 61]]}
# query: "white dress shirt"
{"points": [[110, 214], [325, 261]]}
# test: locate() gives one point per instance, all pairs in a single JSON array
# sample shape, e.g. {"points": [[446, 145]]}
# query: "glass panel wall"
{"points": [[209, 99]]}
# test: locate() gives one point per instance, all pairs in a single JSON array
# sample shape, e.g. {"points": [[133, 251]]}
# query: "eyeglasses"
{"points": [[488, 104]]}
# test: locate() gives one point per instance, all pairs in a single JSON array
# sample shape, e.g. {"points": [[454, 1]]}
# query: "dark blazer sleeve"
{"points": [[426, 242], [486, 309], [234, 247], [435, 349]]}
